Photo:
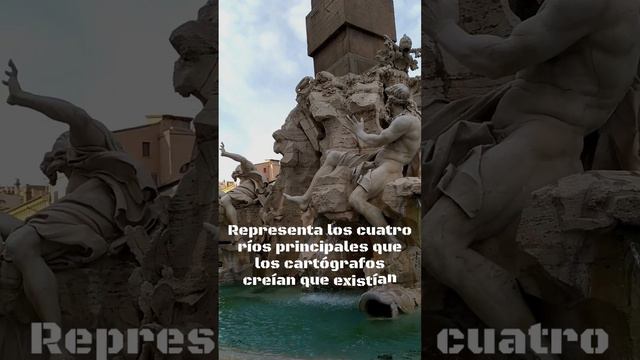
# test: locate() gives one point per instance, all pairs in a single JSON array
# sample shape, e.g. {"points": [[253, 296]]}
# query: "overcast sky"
{"points": [[263, 55], [112, 58]]}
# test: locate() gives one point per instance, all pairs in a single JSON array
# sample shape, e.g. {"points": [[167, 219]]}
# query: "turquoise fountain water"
{"points": [[306, 325]]}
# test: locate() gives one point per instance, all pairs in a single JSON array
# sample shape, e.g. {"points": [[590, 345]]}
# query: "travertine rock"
{"points": [[570, 229], [332, 192], [401, 197], [444, 76], [583, 255]]}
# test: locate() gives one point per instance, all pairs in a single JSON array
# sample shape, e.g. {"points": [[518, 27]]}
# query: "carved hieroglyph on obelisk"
{"points": [[343, 36]]}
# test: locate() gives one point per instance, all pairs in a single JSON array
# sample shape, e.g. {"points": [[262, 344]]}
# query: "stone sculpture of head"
{"points": [[405, 43], [398, 97], [196, 43], [238, 173], [55, 161], [279, 143]]}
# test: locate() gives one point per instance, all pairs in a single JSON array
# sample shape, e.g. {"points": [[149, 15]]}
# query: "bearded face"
{"points": [[196, 42], [237, 173], [190, 73], [278, 147], [55, 161], [52, 164]]}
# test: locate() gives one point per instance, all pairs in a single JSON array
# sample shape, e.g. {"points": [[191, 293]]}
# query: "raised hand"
{"points": [[223, 151], [355, 126], [12, 83]]}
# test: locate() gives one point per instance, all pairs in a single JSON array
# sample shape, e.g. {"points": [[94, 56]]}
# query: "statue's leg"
{"points": [[7, 224], [359, 198], [490, 291], [229, 210], [329, 164], [40, 286], [533, 156]]}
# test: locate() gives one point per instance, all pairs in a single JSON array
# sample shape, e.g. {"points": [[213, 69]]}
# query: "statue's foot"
{"points": [[300, 200]]}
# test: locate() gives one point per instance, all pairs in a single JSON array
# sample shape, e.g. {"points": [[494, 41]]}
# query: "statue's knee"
{"points": [[23, 243], [225, 200], [356, 201], [332, 158]]}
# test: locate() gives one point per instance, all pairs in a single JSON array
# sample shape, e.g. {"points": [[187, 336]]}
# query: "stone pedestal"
{"points": [[583, 257]]}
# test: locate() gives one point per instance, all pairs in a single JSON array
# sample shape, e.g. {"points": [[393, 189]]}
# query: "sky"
{"points": [[112, 58], [263, 56]]}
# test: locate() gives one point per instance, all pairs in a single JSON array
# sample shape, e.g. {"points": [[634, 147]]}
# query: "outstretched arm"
{"points": [[396, 129], [82, 126], [558, 25], [244, 162]]}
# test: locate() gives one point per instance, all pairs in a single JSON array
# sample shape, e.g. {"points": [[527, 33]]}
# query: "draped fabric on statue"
{"points": [[456, 134], [113, 192]]}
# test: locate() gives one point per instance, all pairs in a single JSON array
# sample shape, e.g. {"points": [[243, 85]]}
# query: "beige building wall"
{"points": [[269, 169], [163, 146]]}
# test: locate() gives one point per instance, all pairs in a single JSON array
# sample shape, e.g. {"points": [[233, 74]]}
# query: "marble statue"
{"points": [[396, 146], [574, 63], [107, 191], [400, 56], [250, 190]]}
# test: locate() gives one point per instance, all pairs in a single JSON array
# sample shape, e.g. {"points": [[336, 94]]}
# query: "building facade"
{"points": [[270, 169], [22, 201], [163, 146]]}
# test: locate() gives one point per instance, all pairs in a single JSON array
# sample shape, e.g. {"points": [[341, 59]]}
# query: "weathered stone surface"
{"points": [[179, 274], [402, 194], [93, 297], [569, 228], [361, 102], [332, 191], [443, 76], [582, 247], [405, 265]]}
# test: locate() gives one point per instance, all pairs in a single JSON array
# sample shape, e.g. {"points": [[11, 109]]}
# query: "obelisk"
{"points": [[343, 36]]}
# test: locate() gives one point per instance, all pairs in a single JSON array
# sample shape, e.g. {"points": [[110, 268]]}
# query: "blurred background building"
{"points": [[163, 145]]}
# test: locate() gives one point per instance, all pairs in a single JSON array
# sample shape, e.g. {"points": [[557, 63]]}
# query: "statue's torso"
{"points": [[405, 148], [583, 85]]}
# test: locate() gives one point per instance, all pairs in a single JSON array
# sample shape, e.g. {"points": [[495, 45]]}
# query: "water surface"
{"points": [[310, 325]]}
